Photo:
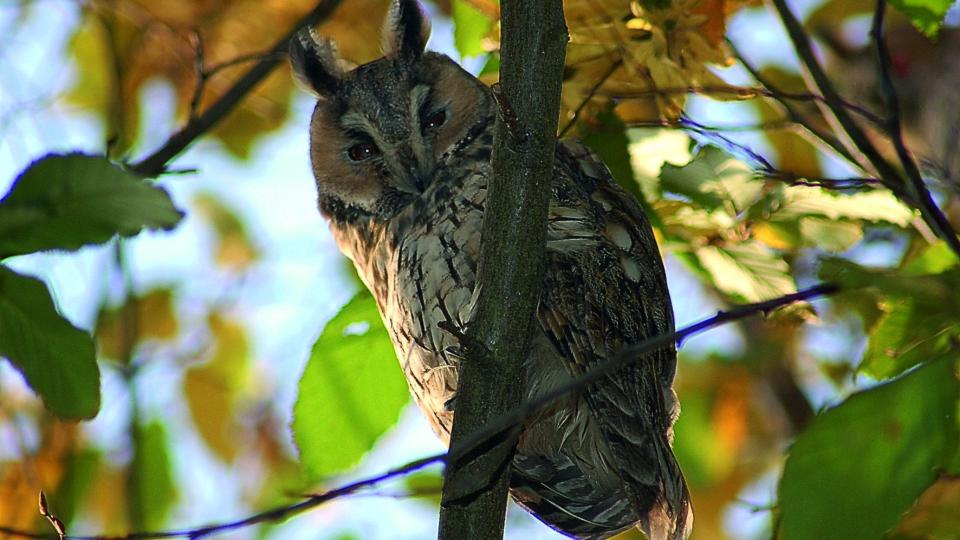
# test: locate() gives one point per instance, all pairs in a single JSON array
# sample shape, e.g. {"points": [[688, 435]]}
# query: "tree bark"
{"points": [[533, 46]]}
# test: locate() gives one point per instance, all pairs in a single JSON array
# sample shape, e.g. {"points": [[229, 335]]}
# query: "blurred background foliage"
{"points": [[834, 421]]}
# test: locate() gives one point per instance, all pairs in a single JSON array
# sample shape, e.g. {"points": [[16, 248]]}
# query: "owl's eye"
{"points": [[362, 151], [435, 120]]}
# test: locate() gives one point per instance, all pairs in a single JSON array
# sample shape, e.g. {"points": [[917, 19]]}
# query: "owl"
{"points": [[400, 149]]}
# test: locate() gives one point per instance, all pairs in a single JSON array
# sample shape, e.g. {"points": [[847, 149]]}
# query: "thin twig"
{"points": [[54, 521], [509, 420], [696, 127], [837, 184], [742, 92], [196, 41], [156, 163], [822, 137], [590, 95], [915, 183], [862, 149]]}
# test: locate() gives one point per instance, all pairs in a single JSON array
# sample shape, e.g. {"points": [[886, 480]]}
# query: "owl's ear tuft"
{"points": [[315, 62], [406, 30]]}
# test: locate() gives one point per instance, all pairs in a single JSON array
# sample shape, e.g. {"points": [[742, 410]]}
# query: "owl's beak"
{"points": [[406, 184], [412, 175]]}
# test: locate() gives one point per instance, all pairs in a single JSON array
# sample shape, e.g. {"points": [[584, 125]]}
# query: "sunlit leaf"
{"points": [[829, 235], [793, 217], [934, 260], [926, 15], [873, 206], [860, 465], [351, 390], [69, 201], [212, 389], [150, 484], [56, 358], [747, 271], [150, 316], [908, 333], [713, 179], [470, 27], [633, 55]]}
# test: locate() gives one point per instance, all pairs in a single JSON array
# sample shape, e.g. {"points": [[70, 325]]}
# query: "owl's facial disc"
{"points": [[378, 140], [396, 145]]}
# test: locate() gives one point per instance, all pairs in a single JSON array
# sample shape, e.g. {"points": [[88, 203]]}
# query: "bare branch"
{"points": [[156, 163], [915, 184], [740, 92], [819, 136], [916, 193]]}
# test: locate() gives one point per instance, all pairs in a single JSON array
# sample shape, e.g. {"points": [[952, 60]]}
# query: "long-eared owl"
{"points": [[401, 151]]}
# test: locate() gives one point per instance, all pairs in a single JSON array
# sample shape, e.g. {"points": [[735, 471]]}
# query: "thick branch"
{"points": [[533, 46], [156, 163]]}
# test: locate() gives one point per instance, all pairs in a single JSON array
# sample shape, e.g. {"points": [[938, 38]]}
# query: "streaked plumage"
{"points": [[401, 153]]}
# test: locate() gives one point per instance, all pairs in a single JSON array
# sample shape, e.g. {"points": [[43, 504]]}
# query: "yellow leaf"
{"points": [[121, 328], [213, 389], [235, 249], [934, 515]]}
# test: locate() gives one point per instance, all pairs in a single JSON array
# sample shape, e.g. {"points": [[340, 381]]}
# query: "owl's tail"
{"points": [[671, 516]]}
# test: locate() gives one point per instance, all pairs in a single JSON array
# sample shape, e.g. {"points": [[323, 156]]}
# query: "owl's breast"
{"points": [[423, 279]]}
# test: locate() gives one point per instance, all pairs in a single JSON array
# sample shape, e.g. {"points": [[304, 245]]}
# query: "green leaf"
{"points": [[908, 333], [56, 358], [608, 139], [492, 66], [748, 271], [829, 235], [151, 488], [351, 391], [470, 27], [926, 15], [713, 179], [73, 491], [213, 389], [69, 201], [873, 206], [860, 465], [909, 318], [933, 260]]}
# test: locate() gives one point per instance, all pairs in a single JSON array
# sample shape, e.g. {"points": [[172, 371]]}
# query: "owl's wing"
{"points": [[604, 289]]}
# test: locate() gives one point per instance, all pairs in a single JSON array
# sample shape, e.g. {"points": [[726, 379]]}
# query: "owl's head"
{"points": [[378, 131]]}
